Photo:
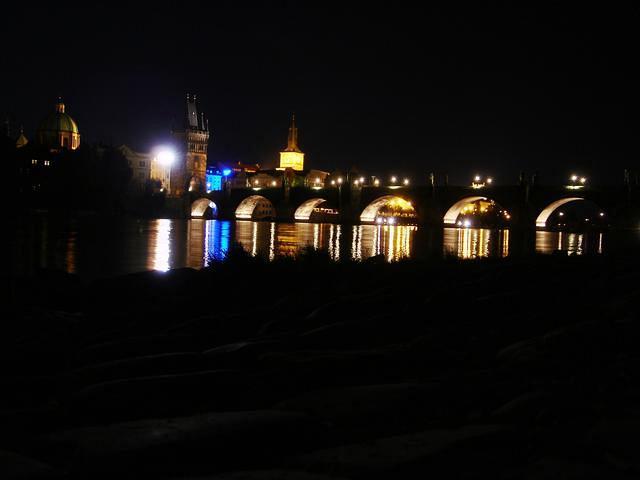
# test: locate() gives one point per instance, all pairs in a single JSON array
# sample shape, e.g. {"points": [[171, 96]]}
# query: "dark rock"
{"points": [[14, 466], [205, 443]]}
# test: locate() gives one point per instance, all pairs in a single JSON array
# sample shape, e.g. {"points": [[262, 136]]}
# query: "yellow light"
{"points": [[574, 178], [293, 160], [355, 182], [393, 179], [273, 183], [489, 180], [361, 179], [376, 182], [339, 179], [406, 181], [256, 182], [317, 180]]}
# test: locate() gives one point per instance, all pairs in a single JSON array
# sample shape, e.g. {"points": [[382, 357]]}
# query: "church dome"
{"points": [[59, 130]]}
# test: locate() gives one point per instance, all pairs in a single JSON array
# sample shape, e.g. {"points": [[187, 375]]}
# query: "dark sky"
{"points": [[388, 90]]}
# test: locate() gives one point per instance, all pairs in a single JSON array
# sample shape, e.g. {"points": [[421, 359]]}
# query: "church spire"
{"points": [[292, 143]]}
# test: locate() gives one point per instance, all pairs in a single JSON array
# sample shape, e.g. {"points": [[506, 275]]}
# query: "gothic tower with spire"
{"points": [[292, 157], [189, 172]]}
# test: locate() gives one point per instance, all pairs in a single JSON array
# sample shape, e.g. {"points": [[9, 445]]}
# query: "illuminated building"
{"points": [[188, 174], [58, 130], [214, 179], [292, 157]]}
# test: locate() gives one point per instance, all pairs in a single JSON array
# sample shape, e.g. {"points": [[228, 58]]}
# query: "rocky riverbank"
{"points": [[315, 370]]}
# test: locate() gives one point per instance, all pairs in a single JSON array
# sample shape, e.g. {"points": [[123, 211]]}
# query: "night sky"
{"points": [[455, 90]]}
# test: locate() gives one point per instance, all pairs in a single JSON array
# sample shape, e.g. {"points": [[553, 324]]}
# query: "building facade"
{"points": [[140, 165]]}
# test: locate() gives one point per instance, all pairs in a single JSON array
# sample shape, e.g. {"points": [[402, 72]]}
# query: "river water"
{"points": [[98, 247]]}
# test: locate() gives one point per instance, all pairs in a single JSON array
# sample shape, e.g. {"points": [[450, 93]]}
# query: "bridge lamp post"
{"points": [[394, 179], [376, 182], [576, 182], [406, 181]]}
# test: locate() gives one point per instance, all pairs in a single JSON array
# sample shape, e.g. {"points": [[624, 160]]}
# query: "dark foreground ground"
{"points": [[313, 370]]}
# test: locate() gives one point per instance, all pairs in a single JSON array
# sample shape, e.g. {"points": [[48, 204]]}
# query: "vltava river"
{"points": [[97, 247]]}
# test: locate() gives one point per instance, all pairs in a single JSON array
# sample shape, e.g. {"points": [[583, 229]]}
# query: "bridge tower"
{"points": [[292, 157], [189, 172]]}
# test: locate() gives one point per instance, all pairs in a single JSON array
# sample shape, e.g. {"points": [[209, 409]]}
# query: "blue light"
{"points": [[226, 172]]}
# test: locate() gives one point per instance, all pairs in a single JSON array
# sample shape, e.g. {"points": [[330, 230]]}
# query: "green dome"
{"points": [[56, 126]]}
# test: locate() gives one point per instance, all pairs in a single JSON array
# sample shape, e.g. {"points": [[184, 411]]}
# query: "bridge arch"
{"points": [[544, 215], [371, 212], [255, 207], [304, 211], [200, 206], [451, 216]]}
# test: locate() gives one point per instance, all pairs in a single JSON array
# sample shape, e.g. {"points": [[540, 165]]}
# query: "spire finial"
{"points": [[292, 143], [60, 105]]}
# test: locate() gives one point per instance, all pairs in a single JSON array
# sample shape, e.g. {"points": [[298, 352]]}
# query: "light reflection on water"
{"points": [[97, 247], [475, 242], [571, 242]]}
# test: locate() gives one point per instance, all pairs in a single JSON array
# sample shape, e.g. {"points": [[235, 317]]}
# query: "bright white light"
{"points": [[256, 182], [393, 179], [561, 214], [273, 183], [602, 214], [333, 182], [406, 181], [355, 182], [459, 223], [317, 180], [376, 182], [339, 179], [574, 178], [582, 180], [392, 220], [166, 157], [379, 220], [467, 223], [361, 179], [477, 178], [489, 180]]}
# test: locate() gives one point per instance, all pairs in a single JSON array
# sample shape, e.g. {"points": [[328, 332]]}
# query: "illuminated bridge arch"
{"points": [[255, 207], [200, 206], [370, 213], [451, 216], [541, 221], [304, 211]]}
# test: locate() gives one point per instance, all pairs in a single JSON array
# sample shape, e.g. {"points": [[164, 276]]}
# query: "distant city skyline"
{"points": [[485, 91]]}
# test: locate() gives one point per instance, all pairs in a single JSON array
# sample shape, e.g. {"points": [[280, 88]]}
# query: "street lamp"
{"points": [[576, 182], [164, 159], [406, 181]]}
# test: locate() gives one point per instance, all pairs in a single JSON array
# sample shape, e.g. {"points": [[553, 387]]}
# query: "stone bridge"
{"points": [[528, 206]]}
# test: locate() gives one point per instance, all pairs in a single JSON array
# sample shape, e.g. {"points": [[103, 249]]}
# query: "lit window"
{"points": [[46, 163], [34, 162]]}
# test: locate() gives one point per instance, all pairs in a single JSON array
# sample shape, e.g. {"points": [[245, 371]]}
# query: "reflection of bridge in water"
{"points": [[211, 239]]}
